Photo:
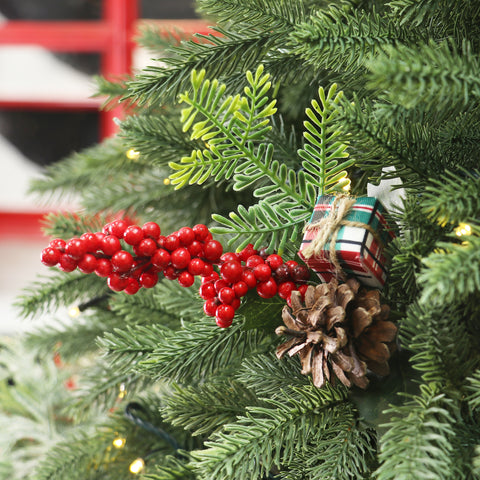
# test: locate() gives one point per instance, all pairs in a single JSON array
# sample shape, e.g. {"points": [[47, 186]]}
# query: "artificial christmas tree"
{"points": [[241, 132]]}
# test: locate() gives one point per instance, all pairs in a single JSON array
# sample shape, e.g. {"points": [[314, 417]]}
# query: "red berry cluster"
{"points": [[132, 257], [180, 255], [243, 271]]}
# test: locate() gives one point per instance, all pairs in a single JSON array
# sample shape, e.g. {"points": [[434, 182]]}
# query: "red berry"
{"points": [[92, 242], [201, 231], [231, 271], [291, 264], [196, 266], [195, 249], [219, 284], [133, 235], [146, 248], [118, 228], [263, 252], [253, 261], [240, 288], [76, 248], [207, 291], [274, 260], [267, 289], [111, 245], [171, 273], [210, 307], [282, 273], [229, 257], [122, 261], [161, 258], [236, 303], [300, 273], [249, 278], [133, 286], [151, 230], [148, 279], [285, 289], [106, 229], [88, 263], [116, 282], [171, 242], [137, 269], [67, 263], [186, 279], [207, 270], [213, 277], [302, 289], [262, 272], [213, 251], [100, 236], [180, 258], [104, 267], [226, 295], [186, 235], [224, 315], [161, 241], [58, 243], [247, 252], [50, 256]]}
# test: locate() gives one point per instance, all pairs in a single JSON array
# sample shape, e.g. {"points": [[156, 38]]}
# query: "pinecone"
{"points": [[338, 332]]}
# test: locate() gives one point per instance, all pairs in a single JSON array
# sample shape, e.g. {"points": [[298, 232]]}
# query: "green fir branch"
{"points": [[461, 185], [452, 261], [419, 439], [68, 225], [270, 377], [263, 225], [345, 452], [242, 16], [270, 436], [79, 172], [157, 137], [422, 75], [171, 468], [230, 125], [340, 39], [442, 345], [71, 339], [199, 350], [57, 291], [219, 56], [324, 155], [474, 391], [203, 410], [98, 389]]}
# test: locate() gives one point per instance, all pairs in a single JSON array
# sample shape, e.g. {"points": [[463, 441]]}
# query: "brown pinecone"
{"points": [[338, 331]]}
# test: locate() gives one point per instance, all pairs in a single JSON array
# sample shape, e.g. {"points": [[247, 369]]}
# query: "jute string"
{"points": [[328, 227]]}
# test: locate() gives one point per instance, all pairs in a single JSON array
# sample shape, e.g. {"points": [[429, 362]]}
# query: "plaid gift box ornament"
{"points": [[346, 237]]}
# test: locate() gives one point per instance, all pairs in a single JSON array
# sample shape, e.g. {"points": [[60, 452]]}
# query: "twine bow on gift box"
{"points": [[327, 228]]}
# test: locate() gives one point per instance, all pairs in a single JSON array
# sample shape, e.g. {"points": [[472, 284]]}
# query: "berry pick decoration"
{"points": [[133, 257]]}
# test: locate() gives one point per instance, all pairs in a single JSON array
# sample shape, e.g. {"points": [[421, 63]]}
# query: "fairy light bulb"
{"points": [[132, 154], [122, 391], [463, 229], [119, 442], [74, 311], [166, 181], [137, 466]]}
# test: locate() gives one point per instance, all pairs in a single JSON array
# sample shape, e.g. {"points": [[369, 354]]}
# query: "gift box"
{"points": [[359, 236]]}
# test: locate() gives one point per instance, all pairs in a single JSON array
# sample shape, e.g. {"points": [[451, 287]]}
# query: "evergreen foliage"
{"points": [[243, 129]]}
